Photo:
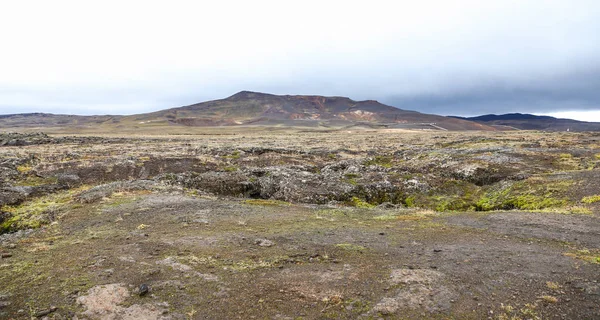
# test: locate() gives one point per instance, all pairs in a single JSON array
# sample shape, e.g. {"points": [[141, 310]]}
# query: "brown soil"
{"points": [[206, 255]]}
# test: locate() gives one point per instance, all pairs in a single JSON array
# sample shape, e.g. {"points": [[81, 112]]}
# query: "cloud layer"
{"points": [[447, 57]]}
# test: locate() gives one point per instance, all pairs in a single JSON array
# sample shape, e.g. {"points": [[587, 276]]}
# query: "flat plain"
{"points": [[300, 224]]}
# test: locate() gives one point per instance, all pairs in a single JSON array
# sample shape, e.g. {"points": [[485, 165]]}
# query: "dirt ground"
{"points": [[162, 250]]}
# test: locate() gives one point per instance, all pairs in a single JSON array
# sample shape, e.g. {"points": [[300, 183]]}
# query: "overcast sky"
{"points": [[445, 57]]}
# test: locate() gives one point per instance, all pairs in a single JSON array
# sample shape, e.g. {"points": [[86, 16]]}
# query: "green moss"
{"points": [[591, 199], [591, 256], [234, 155], [531, 194], [452, 195], [383, 161], [33, 181], [24, 169], [359, 203], [351, 178], [410, 201], [37, 212], [578, 210], [333, 212], [565, 156], [230, 169], [352, 181]]}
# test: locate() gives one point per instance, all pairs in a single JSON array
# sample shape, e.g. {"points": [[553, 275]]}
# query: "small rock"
{"points": [[46, 312], [144, 289], [6, 255], [4, 304], [437, 250], [11, 246], [264, 242], [382, 233]]}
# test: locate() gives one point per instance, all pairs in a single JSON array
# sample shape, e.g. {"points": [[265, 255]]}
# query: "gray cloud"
{"points": [[463, 58], [578, 90]]}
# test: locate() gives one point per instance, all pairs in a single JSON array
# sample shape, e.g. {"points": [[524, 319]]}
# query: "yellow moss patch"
{"points": [[359, 203], [39, 211], [266, 202], [36, 181], [552, 285], [549, 299], [591, 256], [411, 216], [591, 199], [24, 169]]}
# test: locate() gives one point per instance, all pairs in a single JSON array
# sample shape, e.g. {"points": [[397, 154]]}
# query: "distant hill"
{"points": [[35, 120], [254, 108], [520, 121], [258, 109]]}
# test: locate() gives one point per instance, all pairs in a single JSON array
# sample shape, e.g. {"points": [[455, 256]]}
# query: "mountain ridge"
{"points": [[253, 108], [248, 108], [525, 121]]}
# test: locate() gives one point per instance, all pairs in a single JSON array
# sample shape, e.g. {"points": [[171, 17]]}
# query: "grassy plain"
{"points": [[291, 223]]}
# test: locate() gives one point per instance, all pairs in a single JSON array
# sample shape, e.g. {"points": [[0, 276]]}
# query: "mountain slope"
{"points": [[532, 122], [253, 108], [34, 120]]}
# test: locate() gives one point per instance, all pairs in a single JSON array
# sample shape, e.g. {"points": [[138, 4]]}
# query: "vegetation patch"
{"points": [[591, 199], [530, 194], [412, 216], [528, 311], [441, 203], [24, 169], [239, 265], [37, 212], [267, 202], [591, 256], [359, 203], [34, 181], [552, 285], [235, 155], [383, 161], [331, 213]]}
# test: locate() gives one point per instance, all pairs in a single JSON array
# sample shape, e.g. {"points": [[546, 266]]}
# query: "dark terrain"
{"points": [[352, 224], [519, 121], [249, 109]]}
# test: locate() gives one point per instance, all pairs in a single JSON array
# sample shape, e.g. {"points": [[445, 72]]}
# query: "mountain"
{"points": [[32, 120], [520, 121], [255, 109]]}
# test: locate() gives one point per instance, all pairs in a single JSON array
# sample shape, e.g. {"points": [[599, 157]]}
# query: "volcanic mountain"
{"points": [[257, 109], [254, 108], [520, 121]]}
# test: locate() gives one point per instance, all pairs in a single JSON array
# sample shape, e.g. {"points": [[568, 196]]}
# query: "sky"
{"points": [[450, 57]]}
